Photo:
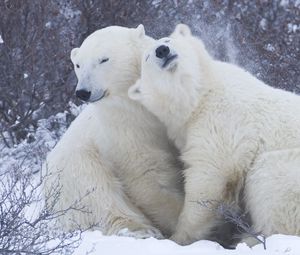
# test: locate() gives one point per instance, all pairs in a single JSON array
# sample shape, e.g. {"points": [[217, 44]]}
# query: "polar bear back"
{"points": [[271, 112]]}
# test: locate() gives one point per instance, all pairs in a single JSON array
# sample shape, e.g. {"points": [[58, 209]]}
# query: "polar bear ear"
{"points": [[140, 30], [134, 92], [182, 29], [74, 53]]}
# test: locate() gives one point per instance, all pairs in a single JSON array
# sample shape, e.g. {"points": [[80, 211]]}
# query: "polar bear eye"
{"points": [[77, 65], [103, 60]]}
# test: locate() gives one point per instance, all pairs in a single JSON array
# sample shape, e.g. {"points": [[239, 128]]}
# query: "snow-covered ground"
{"points": [[96, 243], [30, 156]]}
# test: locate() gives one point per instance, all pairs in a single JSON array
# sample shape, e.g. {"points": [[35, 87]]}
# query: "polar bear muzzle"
{"points": [[88, 96], [83, 94], [162, 51], [164, 54]]}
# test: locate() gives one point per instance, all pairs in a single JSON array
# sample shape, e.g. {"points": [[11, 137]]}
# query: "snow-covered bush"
{"points": [[26, 227]]}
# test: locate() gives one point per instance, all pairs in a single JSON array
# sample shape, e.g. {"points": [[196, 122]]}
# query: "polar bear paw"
{"points": [[141, 233], [181, 239]]}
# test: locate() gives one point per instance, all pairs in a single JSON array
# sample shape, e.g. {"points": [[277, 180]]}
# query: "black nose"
{"points": [[83, 94], [162, 51]]}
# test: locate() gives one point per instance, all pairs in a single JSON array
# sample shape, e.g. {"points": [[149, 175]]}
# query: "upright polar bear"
{"points": [[115, 147], [233, 131]]}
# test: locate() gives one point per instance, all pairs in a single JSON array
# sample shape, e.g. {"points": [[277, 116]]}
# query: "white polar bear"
{"points": [[115, 147], [233, 131]]}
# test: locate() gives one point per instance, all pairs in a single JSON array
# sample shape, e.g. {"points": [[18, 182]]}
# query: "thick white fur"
{"points": [[233, 131], [115, 148]]}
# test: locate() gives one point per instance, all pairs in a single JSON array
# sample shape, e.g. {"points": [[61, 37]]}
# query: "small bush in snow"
{"points": [[26, 226], [233, 215]]}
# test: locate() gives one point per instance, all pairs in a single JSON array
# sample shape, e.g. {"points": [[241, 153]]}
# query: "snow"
{"points": [[263, 24], [284, 3], [48, 24], [270, 47], [1, 40], [67, 11], [156, 3], [292, 28], [96, 243]]}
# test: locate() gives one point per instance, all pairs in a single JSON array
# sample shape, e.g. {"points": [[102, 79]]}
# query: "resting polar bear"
{"points": [[233, 131], [115, 147]]}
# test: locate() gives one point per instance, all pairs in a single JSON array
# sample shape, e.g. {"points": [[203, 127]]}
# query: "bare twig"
{"points": [[26, 226], [231, 214]]}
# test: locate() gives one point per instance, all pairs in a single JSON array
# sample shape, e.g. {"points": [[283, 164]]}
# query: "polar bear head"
{"points": [[108, 61], [173, 77]]}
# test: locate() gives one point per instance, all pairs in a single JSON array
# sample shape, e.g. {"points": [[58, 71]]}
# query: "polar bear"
{"points": [[234, 132], [115, 147]]}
